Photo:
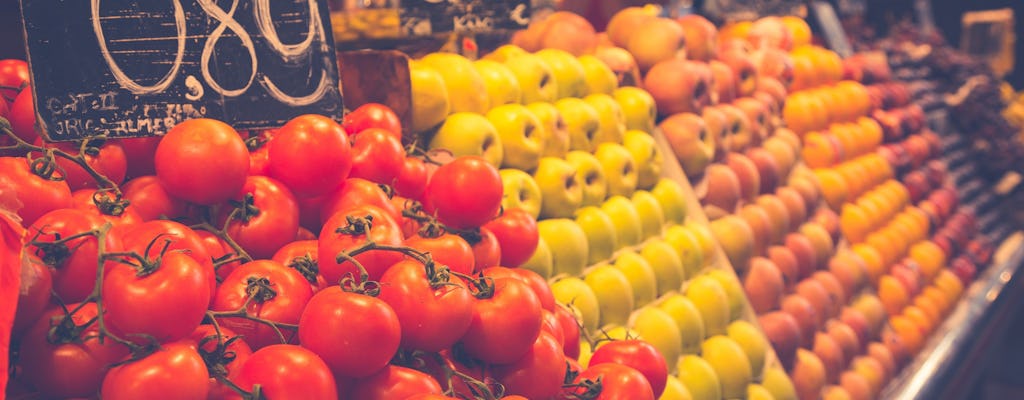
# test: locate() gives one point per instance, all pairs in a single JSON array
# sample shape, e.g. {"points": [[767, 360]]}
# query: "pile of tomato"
{"points": [[315, 261]]}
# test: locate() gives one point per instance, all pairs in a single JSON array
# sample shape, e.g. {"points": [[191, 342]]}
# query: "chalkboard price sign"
{"points": [[425, 17], [133, 68]]}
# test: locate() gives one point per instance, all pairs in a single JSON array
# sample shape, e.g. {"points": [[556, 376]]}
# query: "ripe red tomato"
{"points": [[106, 157], [13, 73], [517, 235], [410, 226], [5, 112], [84, 199], [37, 196], [23, 116], [505, 325], [218, 249], [448, 249], [223, 351], [429, 396], [639, 355], [176, 368], [33, 296], [278, 293], [137, 238], [259, 159], [287, 372], [273, 221], [166, 303], [538, 374], [537, 283], [486, 252], [377, 156], [140, 153], [311, 154], [618, 382], [433, 317], [355, 192], [69, 365], [383, 231], [570, 331], [309, 212], [355, 334], [301, 255], [151, 201], [203, 161], [412, 180], [394, 382], [448, 195], [446, 362], [74, 262], [549, 323], [373, 115]]}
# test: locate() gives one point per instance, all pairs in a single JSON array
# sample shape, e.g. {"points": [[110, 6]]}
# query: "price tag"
{"points": [[835, 36], [426, 17], [738, 10], [133, 68]]}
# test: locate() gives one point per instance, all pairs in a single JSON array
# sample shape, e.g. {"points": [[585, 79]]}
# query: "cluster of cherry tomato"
{"points": [[315, 261]]}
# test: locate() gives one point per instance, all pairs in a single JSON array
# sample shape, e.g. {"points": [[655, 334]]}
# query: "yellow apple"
{"points": [[699, 378], [652, 218], [711, 300], [521, 133], [647, 156], [598, 76], [688, 320], [613, 291], [625, 218], [556, 142], [581, 121], [620, 169], [638, 106], [561, 190], [687, 247], [601, 237], [466, 88], [591, 175], [568, 72], [520, 191], [541, 261], [660, 330], [674, 389], [568, 245], [469, 134], [503, 53], [611, 122], [666, 264], [730, 363], [753, 343], [575, 292], [672, 198], [536, 80], [640, 275], [733, 290], [429, 97], [778, 383], [502, 86], [758, 392]]}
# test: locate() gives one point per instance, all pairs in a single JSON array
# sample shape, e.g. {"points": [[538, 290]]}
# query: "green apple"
{"points": [[688, 320], [660, 330], [611, 122], [753, 343], [733, 290], [667, 266], [503, 53], [620, 170], [598, 76], [687, 247], [502, 85], [778, 383], [466, 88], [591, 174], [429, 97], [561, 191], [581, 121], [730, 363], [556, 142], [536, 80], [568, 72], [469, 134], [638, 107], [542, 261], [712, 302], [626, 220], [601, 237], [652, 218], [521, 133], [520, 191], [572, 291], [647, 157], [568, 245], [699, 377], [613, 291], [758, 392], [641, 277], [672, 198]]}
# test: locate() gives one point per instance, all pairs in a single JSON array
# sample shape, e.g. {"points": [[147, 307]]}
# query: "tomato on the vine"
{"points": [[33, 295], [309, 212], [301, 255], [373, 115], [394, 382], [377, 156], [486, 251], [410, 225], [570, 330], [22, 116], [311, 154], [618, 382], [259, 158], [351, 229], [176, 236], [538, 374], [219, 251], [517, 235], [637, 354], [36, 195], [549, 323], [140, 153], [14, 74], [227, 351], [535, 281], [267, 290], [173, 368], [151, 201], [355, 192], [106, 157], [412, 179], [85, 199], [447, 249], [265, 217], [287, 372], [506, 322], [203, 161], [355, 334], [61, 355], [448, 193], [434, 312], [74, 260]]}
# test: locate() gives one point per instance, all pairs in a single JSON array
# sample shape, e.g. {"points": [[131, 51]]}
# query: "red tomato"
{"points": [[166, 302], [74, 261], [448, 249], [259, 159], [486, 251], [140, 153], [355, 334], [13, 73], [23, 116], [37, 196], [434, 313], [637, 354], [410, 226], [203, 161], [85, 200], [278, 294], [570, 330], [287, 372], [227, 351], [538, 374], [383, 230], [394, 382], [516, 232], [618, 382], [429, 396], [355, 192], [62, 363], [504, 325], [311, 154], [269, 222], [219, 251], [304, 234], [377, 156], [5, 112], [176, 368], [464, 193], [33, 295], [537, 283], [373, 115], [412, 179], [106, 157], [549, 323], [151, 201], [137, 238], [445, 362], [309, 212]]}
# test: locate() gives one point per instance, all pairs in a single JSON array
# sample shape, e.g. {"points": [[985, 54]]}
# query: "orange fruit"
{"points": [[798, 30], [874, 265], [854, 223], [735, 30], [908, 332], [893, 294], [949, 284], [833, 187], [885, 248], [805, 74], [820, 150], [921, 219], [920, 318], [929, 257], [937, 296], [804, 113], [871, 133], [855, 177], [928, 306]]}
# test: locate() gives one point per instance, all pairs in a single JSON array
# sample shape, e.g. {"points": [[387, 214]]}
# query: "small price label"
{"points": [[426, 17]]}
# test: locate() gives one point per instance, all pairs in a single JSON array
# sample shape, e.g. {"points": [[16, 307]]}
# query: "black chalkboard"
{"points": [[132, 68], [425, 17], [730, 10]]}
